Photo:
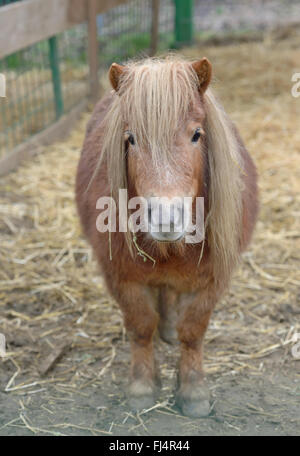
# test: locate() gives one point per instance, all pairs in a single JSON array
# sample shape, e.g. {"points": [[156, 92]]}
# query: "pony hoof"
{"points": [[199, 409], [196, 404], [169, 335], [141, 396]]}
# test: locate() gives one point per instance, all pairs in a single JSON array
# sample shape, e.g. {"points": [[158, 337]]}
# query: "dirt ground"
{"points": [[53, 302]]}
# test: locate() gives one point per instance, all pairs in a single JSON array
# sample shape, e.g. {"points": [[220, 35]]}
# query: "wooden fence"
{"points": [[25, 23]]}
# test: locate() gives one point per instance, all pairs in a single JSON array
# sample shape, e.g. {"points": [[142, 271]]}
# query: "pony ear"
{"points": [[115, 72], [203, 69]]}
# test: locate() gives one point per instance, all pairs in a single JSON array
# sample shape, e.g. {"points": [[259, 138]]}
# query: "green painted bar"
{"points": [[183, 22], [54, 65]]}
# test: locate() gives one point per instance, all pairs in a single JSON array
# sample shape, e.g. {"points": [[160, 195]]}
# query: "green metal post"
{"points": [[54, 65], [183, 22]]}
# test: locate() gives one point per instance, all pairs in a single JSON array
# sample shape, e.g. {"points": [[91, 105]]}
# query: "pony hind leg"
{"points": [[168, 310]]}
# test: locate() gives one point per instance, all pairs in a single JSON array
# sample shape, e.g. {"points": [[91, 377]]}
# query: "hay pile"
{"points": [[61, 326]]}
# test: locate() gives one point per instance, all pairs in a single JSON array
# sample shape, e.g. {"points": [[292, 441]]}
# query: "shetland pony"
{"points": [[161, 132]]}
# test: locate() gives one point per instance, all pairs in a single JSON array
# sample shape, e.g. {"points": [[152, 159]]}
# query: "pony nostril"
{"points": [[172, 218], [181, 214], [176, 216]]}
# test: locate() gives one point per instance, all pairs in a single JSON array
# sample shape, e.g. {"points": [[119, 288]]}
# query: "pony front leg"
{"points": [[140, 319], [192, 393], [168, 309]]}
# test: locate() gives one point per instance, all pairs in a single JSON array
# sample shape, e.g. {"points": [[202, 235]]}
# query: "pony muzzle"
{"points": [[167, 219]]}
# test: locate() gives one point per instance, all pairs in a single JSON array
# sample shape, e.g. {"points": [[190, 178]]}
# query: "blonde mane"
{"points": [[155, 96]]}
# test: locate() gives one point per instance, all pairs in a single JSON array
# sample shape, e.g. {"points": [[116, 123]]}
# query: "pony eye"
{"points": [[129, 137], [196, 135]]}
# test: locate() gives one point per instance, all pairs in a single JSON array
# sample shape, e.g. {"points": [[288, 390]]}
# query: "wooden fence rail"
{"points": [[25, 23]]}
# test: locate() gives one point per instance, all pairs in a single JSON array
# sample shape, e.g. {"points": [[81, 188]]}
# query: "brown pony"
{"points": [[161, 132]]}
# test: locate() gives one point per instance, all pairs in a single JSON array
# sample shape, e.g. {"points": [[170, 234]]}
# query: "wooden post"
{"points": [[93, 49], [154, 27]]}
